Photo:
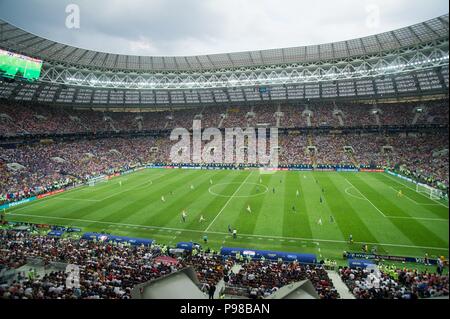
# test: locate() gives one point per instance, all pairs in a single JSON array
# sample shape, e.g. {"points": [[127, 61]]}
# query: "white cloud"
{"points": [[142, 45], [190, 27]]}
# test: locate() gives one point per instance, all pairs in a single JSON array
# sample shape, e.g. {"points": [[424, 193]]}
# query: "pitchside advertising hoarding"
{"points": [[401, 176], [366, 256], [347, 170], [50, 193], [20, 202], [269, 254], [118, 239]]}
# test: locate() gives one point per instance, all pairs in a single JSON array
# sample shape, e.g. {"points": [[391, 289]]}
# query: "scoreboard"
{"points": [[16, 65]]}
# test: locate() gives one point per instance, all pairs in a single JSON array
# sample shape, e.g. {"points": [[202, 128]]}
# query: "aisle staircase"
{"points": [[221, 284], [340, 119], [377, 119], [340, 286], [8, 119], [308, 121], [313, 156], [416, 118], [353, 159]]}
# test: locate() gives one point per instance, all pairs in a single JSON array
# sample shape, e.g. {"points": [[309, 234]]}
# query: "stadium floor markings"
{"points": [[357, 197], [417, 203], [419, 218], [150, 181], [238, 196], [127, 190], [228, 201], [179, 231], [78, 199], [392, 178], [396, 217], [365, 197], [44, 200], [77, 189]]}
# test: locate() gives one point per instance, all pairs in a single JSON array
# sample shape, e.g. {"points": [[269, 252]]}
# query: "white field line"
{"points": [[420, 218], [365, 197], [354, 196], [387, 175], [43, 200], [59, 196], [396, 217], [78, 199], [126, 190], [135, 186], [417, 203], [107, 197], [181, 230], [228, 201]]}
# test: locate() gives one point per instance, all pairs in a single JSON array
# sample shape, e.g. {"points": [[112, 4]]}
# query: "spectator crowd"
{"points": [[28, 119], [111, 270], [394, 283]]}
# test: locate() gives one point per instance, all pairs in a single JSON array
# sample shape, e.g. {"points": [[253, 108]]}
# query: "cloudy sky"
{"points": [[190, 27]]}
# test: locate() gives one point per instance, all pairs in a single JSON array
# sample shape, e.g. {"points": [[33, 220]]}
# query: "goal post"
{"points": [[94, 181], [431, 192]]}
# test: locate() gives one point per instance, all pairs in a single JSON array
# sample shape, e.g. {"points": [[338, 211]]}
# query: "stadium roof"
{"points": [[18, 40]]}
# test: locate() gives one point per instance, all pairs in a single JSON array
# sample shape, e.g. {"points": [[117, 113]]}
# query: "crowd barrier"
{"points": [[187, 245], [268, 254], [360, 263], [367, 256], [117, 239]]}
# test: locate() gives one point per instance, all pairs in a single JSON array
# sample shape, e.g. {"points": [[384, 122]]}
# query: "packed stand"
{"points": [[393, 283], [30, 118], [259, 279]]}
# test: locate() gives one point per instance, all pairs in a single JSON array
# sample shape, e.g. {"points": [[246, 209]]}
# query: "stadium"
{"points": [[308, 172]]}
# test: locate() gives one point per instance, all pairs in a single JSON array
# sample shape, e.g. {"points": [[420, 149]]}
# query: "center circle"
{"points": [[262, 191]]}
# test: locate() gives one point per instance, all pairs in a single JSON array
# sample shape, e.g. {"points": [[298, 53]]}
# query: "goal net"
{"points": [[94, 181], [429, 191]]}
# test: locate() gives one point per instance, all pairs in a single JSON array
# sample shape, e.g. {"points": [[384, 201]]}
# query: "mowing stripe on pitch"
{"points": [[417, 203], [365, 197], [229, 199], [224, 233], [392, 178]]}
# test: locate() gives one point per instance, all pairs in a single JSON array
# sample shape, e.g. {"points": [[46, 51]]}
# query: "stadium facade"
{"points": [[408, 62]]}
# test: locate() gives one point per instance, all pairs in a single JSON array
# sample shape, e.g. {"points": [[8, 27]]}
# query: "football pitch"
{"points": [[263, 207]]}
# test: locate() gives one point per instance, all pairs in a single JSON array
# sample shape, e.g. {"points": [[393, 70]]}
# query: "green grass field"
{"points": [[365, 205]]}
